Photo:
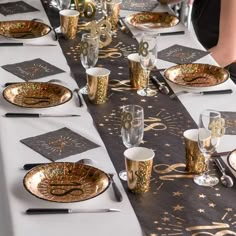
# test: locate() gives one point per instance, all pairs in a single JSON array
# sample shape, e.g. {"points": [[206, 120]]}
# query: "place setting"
{"points": [[64, 181]]}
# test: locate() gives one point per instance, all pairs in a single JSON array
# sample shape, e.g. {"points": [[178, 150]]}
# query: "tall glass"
{"points": [[132, 125], [210, 130], [148, 59], [89, 53], [132, 129]]}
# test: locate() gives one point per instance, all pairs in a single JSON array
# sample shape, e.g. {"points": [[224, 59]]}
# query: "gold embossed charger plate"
{"points": [[66, 182], [196, 75], [152, 20], [37, 94], [23, 29]]}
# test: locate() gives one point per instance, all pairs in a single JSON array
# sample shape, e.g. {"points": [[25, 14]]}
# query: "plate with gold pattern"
{"points": [[152, 20], [37, 94], [66, 182], [24, 29], [231, 159], [196, 75]]}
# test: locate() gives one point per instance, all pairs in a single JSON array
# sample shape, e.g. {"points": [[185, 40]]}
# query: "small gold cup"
{"points": [[195, 161], [139, 162], [137, 76], [69, 23], [112, 12], [97, 79]]}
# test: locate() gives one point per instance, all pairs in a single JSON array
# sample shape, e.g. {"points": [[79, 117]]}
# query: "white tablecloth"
{"points": [[14, 199]]}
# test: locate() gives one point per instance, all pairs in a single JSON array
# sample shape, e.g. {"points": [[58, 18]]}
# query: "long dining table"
{"points": [[175, 205]]}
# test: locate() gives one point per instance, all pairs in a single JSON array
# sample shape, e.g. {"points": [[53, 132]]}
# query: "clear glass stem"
{"points": [[147, 72]]}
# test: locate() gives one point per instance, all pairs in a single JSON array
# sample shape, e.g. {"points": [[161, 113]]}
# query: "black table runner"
{"points": [[174, 205]]}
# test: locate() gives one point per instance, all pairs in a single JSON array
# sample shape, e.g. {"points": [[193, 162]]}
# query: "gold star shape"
{"points": [[101, 124], [186, 185], [202, 196], [166, 219], [212, 205], [124, 99], [143, 100], [218, 194], [150, 106], [177, 194], [153, 234], [201, 210], [229, 209], [178, 208]]}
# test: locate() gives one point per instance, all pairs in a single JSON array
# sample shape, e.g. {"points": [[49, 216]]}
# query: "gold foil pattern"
{"points": [[66, 182], [196, 75], [37, 94], [23, 29], [152, 20]]}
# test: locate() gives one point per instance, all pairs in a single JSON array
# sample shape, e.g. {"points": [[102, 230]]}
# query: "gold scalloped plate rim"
{"points": [[41, 29], [42, 100], [64, 181], [152, 25], [231, 159], [196, 75]]}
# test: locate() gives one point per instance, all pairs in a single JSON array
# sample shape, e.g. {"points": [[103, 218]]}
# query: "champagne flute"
{"points": [[210, 130], [89, 54], [132, 129], [148, 59]]}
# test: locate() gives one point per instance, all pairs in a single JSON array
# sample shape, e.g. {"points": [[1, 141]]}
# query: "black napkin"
{"points": [[31, 70], [181, 55], [59, 144], [11, 8]]}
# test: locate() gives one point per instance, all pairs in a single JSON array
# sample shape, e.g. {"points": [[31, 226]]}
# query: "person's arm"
{"points": [[225, 51]]}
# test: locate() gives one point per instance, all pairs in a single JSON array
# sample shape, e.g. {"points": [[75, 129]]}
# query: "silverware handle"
{"points": [[11, 44], [226, 91], [117, 192], [31, 165], [172, 33], [21, 115], [219, 165], [40, 211]]}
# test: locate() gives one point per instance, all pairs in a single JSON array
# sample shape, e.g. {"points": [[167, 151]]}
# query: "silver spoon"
{"points": [[226, 180], [161, 87]]}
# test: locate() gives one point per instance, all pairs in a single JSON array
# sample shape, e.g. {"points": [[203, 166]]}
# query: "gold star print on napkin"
{"points": [[59, 144]]}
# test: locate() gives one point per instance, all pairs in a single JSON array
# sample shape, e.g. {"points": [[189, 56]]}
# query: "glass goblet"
{"points": [[210, 130], [89, 54], [132, 129], [148, 59]]}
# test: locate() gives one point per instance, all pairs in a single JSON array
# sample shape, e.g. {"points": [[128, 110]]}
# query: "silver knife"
{"points": [[213, 92], [40, 211], [24, 44], [37, 115]]}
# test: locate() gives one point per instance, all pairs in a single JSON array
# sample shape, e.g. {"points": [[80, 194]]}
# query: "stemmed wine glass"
{"points": [[148, 59], [210, 130], [132, 128], [88, 54]]}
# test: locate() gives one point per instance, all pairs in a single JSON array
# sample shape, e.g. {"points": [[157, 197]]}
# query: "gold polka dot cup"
{"points": [[69, 23], [137, 74], [97, 79], [138, 163], [195, 161]]}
